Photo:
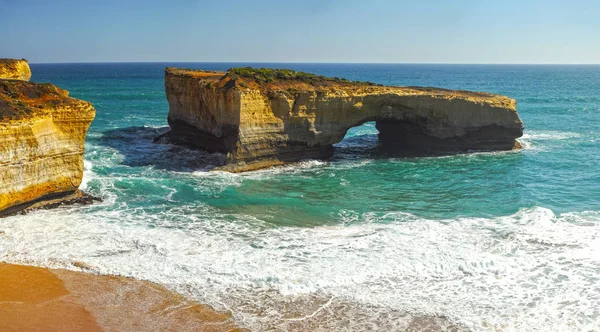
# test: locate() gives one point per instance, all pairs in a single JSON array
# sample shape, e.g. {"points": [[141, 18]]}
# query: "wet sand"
{"points": [[39, 299]]}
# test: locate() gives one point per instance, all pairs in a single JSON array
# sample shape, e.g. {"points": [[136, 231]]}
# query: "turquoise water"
{"points": [[488, 240]]}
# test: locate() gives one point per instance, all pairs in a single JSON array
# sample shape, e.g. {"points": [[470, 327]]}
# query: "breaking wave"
{"points": [[510, 273]]}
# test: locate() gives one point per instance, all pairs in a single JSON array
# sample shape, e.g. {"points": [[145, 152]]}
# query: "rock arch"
{"points": [[262, 124]]}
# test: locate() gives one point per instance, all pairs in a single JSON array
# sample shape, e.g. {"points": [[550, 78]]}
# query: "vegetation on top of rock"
{"points": [[269, 75], [20, 98], [7, 60]]}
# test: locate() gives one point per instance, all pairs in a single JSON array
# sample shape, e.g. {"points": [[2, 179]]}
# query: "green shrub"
{"points": [[268, 75]]}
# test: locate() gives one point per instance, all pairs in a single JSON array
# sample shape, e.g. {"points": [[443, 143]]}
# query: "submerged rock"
{"points": [[265, 117], [42, 134]]}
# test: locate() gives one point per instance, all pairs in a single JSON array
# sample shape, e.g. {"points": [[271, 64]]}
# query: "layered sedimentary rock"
{"points": [[14, 69], [42, 134], [262, 117]]}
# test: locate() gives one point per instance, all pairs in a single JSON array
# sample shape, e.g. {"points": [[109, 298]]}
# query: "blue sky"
{"points": [[434, 31]]}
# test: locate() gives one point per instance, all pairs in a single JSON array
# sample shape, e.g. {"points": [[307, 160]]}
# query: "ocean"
{"points": [[479, 241]]}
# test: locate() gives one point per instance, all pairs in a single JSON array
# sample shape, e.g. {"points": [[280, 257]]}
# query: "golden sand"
{"points": [[39, 299]]}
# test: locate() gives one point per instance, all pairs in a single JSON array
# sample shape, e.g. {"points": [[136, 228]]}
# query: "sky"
{"points": [[353, 31]]}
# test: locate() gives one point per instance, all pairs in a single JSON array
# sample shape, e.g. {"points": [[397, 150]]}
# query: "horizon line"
{"points": [[329, 63]]}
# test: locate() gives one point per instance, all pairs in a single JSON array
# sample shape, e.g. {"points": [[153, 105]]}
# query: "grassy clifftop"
{"points": [[20, 99], [269, 75], [291, 81]]}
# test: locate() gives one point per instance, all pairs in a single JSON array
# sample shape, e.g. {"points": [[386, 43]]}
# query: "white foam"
{"points": [[536, 140], [550, 135], [531, 271], [293, 168], [218, 179], [88, 174]]}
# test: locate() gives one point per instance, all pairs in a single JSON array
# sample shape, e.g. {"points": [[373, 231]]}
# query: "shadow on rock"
{"points": [[137, 147], [368, 146], [357, 147]]}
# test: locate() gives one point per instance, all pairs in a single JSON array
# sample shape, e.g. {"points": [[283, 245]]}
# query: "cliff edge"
{"points": [[14, 69], [42, 134], [265, 117]]}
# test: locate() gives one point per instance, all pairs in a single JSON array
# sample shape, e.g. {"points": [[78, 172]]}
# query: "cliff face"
{"points": [[261, 121], [42, 134], [13, 69]]}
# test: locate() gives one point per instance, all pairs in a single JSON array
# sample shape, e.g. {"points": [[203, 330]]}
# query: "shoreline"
{"points": [[60, 300], [63, 300]]}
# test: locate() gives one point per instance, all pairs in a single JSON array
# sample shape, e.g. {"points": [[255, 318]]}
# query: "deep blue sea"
{"points": [[487, 241]]}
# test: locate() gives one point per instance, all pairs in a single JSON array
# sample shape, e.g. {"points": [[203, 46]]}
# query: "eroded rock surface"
{"points": [[14, 69], [42, 134], [261, 118]]}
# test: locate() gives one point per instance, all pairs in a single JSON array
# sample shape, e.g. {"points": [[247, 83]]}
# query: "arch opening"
{"points": [[364, 135], [387, 138]]}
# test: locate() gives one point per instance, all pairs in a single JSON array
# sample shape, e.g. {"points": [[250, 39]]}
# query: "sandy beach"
{"points": [[39, 299]]}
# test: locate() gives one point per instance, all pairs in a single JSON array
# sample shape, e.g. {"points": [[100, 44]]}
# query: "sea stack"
{"points": [[42, 135], [266, 117]]}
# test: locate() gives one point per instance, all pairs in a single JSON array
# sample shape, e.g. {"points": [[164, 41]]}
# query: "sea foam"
{"points": [[512, 272]]}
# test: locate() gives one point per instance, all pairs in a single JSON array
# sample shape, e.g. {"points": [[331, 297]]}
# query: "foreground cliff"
{"points": [[42, 134], [263, 117]]}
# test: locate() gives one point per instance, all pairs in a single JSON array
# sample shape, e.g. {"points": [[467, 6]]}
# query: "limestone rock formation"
{"points": [[13, 69], [263, 117], [42, 134]]}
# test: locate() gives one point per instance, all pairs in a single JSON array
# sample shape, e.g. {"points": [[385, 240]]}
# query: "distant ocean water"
{"points": [[488, 241]]}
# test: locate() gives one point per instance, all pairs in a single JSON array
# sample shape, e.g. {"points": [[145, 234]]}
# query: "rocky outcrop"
{"points": [[262, 117], [13, 69], [42, 134]]}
